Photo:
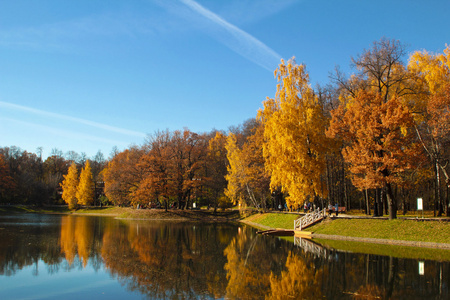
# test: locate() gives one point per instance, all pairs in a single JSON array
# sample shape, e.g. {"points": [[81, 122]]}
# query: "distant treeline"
{"points": [[376, 140]]}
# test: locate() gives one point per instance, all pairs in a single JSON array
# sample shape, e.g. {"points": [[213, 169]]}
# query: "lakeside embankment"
{"points": [[431, 233], [131, 213], [407, 232]]}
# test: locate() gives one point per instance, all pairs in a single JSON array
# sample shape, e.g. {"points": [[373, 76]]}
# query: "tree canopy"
{"points": [[295, 144]]}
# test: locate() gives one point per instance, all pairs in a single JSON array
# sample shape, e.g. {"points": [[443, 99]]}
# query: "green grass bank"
{"points": [[420, 230]]}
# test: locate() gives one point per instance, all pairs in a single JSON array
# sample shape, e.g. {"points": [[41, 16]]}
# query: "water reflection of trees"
{"points": [[168, 260], [43, 240], [265, 267], [163, 260], [79, 240], [22, 246]]}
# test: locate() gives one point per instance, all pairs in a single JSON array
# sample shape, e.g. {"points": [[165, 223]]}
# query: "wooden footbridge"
{"points": [[299, 224], [310, 219]]}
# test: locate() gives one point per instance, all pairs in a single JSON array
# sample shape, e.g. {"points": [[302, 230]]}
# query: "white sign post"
{"points": [[421, 268], [420, 205]]}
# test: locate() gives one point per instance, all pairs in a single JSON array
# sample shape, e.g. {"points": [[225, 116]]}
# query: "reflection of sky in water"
{"points": [[80, 257], [28, 220], [76, 283]]}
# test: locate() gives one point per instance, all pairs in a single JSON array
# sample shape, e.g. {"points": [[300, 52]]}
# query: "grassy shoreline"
{"points": [[129, 213], [419, 231]]}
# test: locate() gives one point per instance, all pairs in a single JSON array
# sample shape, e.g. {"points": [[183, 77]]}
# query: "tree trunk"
{"points": [[447, 206], [392, 202], [375, 204], [329, 185], [251, 196], [380, 202], [366, 194], [404, 195], [437, 190], [360, 202], [188, 197], [347, 204], [385, 202], [215, 201]]}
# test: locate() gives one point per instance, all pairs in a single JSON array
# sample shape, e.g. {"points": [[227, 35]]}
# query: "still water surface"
{"points": [[85, 257]]}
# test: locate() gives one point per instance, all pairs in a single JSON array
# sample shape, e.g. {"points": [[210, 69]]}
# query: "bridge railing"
{"points": [[310, 218]]}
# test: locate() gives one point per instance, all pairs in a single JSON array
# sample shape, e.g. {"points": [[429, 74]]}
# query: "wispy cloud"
{"points": [[236, 39], [72, 119], [79, 32], [64, 133]]}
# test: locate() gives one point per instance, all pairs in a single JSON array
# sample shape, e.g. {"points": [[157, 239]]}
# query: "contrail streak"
{"points": [[72, 119], [64, 133], [238, 40]]}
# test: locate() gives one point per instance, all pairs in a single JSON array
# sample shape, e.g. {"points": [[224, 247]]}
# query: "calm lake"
{"points": [[86, 257]]}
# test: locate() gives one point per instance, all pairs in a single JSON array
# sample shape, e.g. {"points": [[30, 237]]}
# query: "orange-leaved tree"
{"points": [[69, 186], [7, 184], [122, 176], [379, 142], [374, 122], [295, 144], [157, 183], [85, 191], [188, 152]]}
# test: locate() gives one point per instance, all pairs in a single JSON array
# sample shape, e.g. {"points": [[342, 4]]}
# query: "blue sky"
{"points": [[90, 75]]}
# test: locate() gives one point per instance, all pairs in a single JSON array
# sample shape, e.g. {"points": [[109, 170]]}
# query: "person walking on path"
{"points": [[336, 207]]}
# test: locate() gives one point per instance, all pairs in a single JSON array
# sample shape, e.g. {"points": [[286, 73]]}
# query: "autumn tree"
{"points": [[26, 171], [85, 190], [122, 176], [157, 183], [216, 167], [235, 171], [374, 121], [172, 167], [248, 181], [55, 167], [432, 113], [380, 69], [258, 179], [379, 143], [98, 164], [189, 150], [295, 144], [7, 184], [69, 186]]}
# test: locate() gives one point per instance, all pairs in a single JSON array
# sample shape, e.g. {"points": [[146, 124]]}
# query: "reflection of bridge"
{"points": [[309, 219], [309, 246]]}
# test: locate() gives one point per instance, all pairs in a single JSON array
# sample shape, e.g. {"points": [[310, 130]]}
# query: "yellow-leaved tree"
{"points": [[69, 186], [235, 170], [247, 179], [217, 169], [295, 144], [432, 113], [85, 191]]}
